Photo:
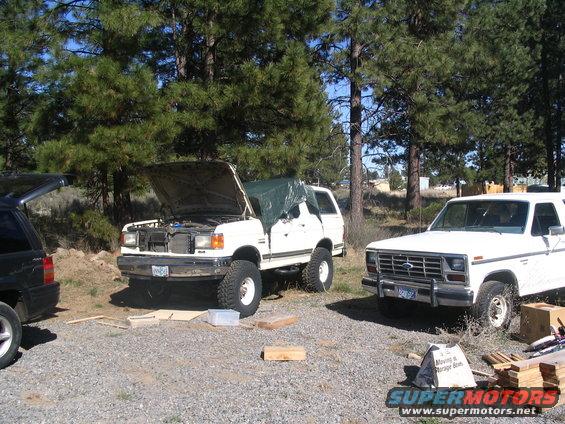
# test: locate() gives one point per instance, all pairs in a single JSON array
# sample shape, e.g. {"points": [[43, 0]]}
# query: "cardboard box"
{"points": [[536, 318]]}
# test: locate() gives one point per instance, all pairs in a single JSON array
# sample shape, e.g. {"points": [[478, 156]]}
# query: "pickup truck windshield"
{"points": [[500, 216]]}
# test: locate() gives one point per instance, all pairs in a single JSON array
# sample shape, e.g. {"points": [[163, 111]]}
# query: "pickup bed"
{"points": [[480, 253]]}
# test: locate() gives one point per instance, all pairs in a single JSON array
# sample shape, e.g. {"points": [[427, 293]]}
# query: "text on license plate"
{"points": [[407, 293], [159, 271]]}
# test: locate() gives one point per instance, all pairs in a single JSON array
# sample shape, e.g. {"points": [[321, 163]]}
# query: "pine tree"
{"points": [[117, 120], [24, 40]]}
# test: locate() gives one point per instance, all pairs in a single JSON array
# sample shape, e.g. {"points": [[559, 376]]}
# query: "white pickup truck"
{"points": [[480, 252], [217, 229]]}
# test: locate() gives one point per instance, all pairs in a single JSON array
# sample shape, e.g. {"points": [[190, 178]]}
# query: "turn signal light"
{"points": [[217, 241], [456, 277]]}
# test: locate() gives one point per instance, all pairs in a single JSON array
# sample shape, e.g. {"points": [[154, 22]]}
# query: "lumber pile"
{"points": [[499, 360], [553, 373]]}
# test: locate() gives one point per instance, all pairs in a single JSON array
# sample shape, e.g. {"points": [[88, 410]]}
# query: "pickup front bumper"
{"points": [[431, 293], [179, 268]]}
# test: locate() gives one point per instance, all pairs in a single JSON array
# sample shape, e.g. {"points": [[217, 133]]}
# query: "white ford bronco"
{"points": [[216, 228], [480, 252]]}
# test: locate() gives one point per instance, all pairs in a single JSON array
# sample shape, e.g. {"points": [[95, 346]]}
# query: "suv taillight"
{"points": [[48, 270]]}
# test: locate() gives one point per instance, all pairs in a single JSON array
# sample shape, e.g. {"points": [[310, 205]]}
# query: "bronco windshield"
{"points": [[500, 216]]}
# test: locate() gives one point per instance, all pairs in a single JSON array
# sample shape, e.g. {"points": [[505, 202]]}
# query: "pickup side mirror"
{"points": [[556, 230]]}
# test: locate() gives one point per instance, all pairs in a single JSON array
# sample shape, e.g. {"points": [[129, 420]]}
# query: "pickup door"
{"points": [[331, 219], [547, 265]]}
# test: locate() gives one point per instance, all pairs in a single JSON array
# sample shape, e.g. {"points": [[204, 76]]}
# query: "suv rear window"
{"points": [[12, 237], [325, 203]]}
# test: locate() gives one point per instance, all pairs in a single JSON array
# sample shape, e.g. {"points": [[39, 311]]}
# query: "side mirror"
{"points": [[556, 230]]}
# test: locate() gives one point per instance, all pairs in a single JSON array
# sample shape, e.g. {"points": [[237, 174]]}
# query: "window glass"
{"points": [[12, 237], [325, 203], [545, 216], [499, 216]]}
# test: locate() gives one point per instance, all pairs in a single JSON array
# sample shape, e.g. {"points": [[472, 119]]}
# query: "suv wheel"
{"points": [[152, 293], [241, 288], [493, 307], [391, 307], [318, 274], [10, 334]]}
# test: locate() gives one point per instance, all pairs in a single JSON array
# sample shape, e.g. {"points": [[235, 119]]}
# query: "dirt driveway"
{"points": [[193, 372]]}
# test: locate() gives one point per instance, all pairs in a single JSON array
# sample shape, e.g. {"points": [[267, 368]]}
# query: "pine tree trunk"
{"points": [[209, 51], [356, 140], [122, 200], [508, 170], [104, 192], [547, 124], [413, 198], [458, 186], [559, 127]]}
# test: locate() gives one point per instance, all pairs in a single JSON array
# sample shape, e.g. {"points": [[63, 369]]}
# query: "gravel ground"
{"points": [[192, 372]]}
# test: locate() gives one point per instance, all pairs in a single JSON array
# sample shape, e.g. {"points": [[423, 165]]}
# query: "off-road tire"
{"points": [[311, 272], [391, 307], [230, 289], [151, 293], [9, 318], [490, 293]]}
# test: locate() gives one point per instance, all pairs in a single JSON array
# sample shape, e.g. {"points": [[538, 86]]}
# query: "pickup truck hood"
{"points": [[205, 187], [486, 244]]}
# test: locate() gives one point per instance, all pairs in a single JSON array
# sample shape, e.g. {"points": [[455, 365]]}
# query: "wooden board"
{"points": [[76, 321], [284, 353], [534, 362], [276, 321], [174, 314]]}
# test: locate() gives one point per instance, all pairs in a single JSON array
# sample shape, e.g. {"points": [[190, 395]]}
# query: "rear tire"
{"points": [[241, 288], [494, 305], [152, 293], [10, 335], [319, 272], [391, 307]]}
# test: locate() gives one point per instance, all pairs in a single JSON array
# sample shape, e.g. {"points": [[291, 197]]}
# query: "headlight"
{"points": [[129, 239], [214, 241], [456, 264], [371, 259]]}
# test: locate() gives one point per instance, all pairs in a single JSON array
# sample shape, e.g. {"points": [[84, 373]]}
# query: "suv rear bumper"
{"points": [[433, 295], [41, 300], [180, 269]]}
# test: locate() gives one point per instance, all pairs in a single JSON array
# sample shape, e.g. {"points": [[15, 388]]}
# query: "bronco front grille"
{"points": [[410, 267]]}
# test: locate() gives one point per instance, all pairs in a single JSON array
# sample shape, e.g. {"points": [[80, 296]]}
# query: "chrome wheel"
{"points": [[497, 311], [323, 271], [6, 335], [247, 291]]}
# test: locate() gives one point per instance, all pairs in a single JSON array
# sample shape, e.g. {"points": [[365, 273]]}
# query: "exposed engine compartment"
{"points": [[176, 236]]}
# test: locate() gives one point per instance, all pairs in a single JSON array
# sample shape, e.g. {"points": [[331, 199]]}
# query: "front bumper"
{"points": [[180, 269], [432, 294]]}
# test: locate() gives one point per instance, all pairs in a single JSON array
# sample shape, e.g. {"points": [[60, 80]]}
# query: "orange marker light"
{"points": [[217, 241], [477, 258]]}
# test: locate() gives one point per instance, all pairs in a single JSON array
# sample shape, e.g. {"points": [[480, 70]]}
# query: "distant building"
{"points": [[380, 184], [424, 183]]}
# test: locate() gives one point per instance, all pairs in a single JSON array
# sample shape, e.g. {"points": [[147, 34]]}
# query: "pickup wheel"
{"points": [[10, 335], [241, 288], [391, 307], [319, 272], [493, 307], [152, 293]]}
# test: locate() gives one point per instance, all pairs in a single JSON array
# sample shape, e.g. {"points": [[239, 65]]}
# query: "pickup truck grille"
{"points": [[423, 267]]}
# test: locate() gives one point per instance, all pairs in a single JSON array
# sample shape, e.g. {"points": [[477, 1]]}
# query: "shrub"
{"points": [[424, 215], [96, 229]]}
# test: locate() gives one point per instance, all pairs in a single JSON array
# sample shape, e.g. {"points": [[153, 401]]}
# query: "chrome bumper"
{"points": [[140, 267], [434, 294]]}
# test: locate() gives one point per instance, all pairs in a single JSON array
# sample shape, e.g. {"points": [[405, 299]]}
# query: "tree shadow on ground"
{"points": [[423, 319]]}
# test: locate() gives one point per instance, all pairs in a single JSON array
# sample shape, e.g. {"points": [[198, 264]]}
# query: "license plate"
{"points": [[407, 293], [159, 271]]}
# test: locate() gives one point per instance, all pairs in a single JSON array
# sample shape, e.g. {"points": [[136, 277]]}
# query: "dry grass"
{"points": [[348, 273]]}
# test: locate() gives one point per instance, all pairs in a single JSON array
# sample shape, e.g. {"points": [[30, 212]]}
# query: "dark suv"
{"points": [[27, 286]]}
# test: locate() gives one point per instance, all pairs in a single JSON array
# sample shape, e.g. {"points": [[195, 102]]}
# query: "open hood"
{"points": [[199, 187], [17, 189]]}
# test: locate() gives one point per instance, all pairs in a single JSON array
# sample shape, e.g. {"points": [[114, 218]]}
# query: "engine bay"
{"points": [[176, 236]]}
